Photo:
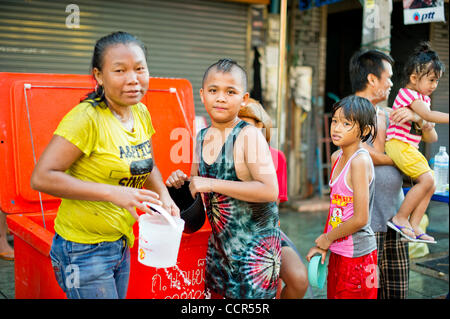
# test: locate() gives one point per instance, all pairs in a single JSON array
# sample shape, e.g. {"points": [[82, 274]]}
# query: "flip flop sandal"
{"points": [[7, 256], [398, 229], [424, 240]]}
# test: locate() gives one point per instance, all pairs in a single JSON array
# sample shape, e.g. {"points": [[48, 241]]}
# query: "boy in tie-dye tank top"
{"points": [[233, 170]]}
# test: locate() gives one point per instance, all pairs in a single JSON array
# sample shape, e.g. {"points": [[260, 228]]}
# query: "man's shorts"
{"points": [[407, 158]]}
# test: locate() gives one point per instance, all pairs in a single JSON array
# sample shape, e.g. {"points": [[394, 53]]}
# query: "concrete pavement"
{"points": [[304, 220]]}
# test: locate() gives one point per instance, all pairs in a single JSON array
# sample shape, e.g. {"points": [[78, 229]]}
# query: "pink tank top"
{"points": [[363, 241]]}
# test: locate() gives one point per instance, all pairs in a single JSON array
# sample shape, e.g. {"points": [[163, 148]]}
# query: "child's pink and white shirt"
{"points": [[402, 132]]}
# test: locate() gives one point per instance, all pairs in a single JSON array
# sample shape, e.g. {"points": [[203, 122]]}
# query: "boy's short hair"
{"points": [[226, 65], [365, 62], [359, 110]]}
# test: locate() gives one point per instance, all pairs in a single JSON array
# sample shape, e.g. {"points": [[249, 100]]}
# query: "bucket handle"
{"points": [[163, 212]]}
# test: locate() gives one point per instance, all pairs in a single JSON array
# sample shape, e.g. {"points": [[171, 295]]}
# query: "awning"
{"points": [[307, 4]]}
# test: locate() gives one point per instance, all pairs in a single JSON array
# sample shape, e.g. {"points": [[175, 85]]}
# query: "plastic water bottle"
{"points": [[441, 170]]}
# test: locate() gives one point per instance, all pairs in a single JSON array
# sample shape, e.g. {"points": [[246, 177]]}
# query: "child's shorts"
{"points": [[407, 158], [352, 278]]}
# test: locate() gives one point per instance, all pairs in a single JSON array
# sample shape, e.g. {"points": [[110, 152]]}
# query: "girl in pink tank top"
{"points": [[353, 259]]}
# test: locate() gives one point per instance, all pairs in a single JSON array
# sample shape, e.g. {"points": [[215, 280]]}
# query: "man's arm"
{"points": [[378, 158], [377, 150]]}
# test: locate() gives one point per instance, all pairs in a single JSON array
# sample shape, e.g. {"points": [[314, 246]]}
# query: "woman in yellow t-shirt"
{"points": [[98, 160]]}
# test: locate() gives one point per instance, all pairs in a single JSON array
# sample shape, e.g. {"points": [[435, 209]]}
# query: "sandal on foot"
{"points": [[7, 255], [419, 240], [399, 230]]}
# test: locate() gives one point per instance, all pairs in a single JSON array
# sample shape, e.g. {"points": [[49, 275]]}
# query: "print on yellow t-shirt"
{"points": [[111, 155]]}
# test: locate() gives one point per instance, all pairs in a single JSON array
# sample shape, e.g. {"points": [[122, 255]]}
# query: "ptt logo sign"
{"points": [[424, 17]]}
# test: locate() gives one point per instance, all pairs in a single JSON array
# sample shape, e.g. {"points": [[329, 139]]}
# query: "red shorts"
{"points": [[352, 278]]}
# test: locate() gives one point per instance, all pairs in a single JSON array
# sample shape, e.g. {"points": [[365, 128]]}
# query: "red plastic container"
{"points": [[31, 107]]}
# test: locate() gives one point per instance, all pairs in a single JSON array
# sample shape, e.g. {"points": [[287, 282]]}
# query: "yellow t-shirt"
{"points": [[111, 155]]}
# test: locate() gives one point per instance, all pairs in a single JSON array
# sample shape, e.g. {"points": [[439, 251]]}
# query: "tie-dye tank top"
{"points": [[244, 252]]}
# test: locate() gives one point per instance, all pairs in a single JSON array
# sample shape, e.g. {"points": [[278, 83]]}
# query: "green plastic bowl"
{"points": [[317, 272]]}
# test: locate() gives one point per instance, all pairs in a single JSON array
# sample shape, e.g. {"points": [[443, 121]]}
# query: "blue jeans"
{"points": [[91, 271]]}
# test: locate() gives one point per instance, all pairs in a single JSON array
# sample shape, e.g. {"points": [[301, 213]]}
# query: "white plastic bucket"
{"points": [[159, 241]]}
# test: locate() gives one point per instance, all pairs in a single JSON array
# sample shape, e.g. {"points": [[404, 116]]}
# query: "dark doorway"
{"points": [[343, 39]]}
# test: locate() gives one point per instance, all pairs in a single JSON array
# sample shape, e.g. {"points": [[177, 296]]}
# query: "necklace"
{"points": [[127, 123]]}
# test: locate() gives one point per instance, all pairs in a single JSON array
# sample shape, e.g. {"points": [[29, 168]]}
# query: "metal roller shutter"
{"points": [[307, 32], [183, 37]]}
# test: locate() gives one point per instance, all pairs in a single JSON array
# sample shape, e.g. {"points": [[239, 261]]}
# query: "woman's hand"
{"points": [[176, 179], [131, 198], [316, 250], [169, 205]]}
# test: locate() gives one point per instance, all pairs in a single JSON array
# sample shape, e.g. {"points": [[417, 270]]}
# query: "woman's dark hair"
{"points": [[226, 65], [365, 62], [359, 110], [423, 61], [102, 44]]}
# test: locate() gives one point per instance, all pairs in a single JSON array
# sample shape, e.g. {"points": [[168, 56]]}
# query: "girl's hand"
{"points": [[429, 135], [169, 205], [176, 179], [323, 242], [132, 198], [200, 185], [316, 250], [427, 126]]}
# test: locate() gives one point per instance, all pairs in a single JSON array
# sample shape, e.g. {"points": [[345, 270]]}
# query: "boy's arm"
{"points": [[178, 177], [419, 107], [264, 184]]}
